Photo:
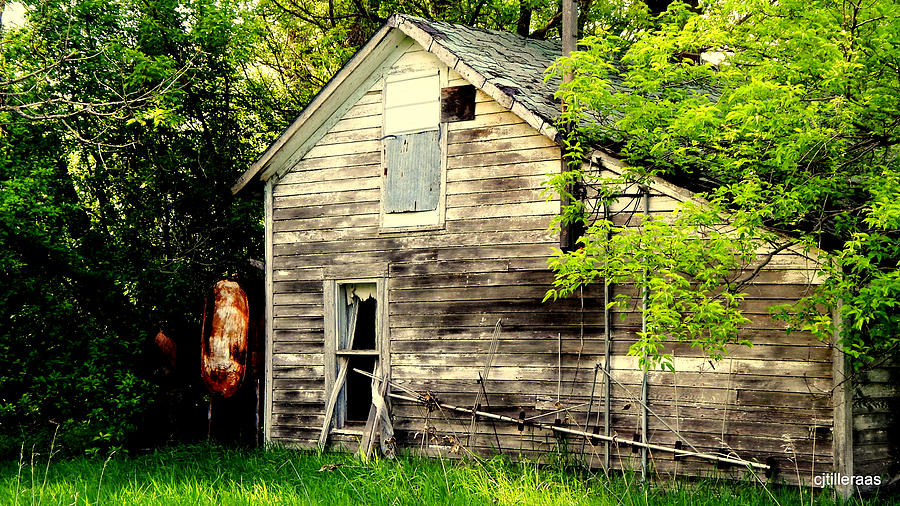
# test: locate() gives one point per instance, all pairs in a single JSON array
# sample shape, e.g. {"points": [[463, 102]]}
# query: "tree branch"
{"points": [[765, 261], [541, 33]]}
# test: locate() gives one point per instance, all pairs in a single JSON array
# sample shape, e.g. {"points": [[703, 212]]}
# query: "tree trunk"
{"points": [[523, 25]]}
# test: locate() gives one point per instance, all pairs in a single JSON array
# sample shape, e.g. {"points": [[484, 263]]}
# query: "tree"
{"points": [[795, 125], [122, 127]]}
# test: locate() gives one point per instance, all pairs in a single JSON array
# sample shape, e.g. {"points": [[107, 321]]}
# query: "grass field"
{"points": [[203, 474]]}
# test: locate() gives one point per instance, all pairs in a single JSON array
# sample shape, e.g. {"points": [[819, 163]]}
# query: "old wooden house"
{"points": [[407, 235]]}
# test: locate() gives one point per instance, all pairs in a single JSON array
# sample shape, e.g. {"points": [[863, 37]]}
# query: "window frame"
{"points": [[414, 220], [334, 316]]}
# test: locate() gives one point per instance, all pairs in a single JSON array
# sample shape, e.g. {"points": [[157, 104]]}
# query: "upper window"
{"points": [[412, 103], [413, 161]]}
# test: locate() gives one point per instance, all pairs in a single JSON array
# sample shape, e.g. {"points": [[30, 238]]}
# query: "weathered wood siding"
{"points": [[448, 287], [759, 401], [771, 401], [876, 422]]}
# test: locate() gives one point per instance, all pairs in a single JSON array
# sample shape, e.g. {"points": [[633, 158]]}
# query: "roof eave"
{"points": [[319, 108]]}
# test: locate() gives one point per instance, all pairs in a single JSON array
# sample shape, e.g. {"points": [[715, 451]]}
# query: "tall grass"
{"points": [[207, 474]]}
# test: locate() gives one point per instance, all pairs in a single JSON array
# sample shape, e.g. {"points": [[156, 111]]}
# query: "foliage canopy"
{"points": [[121, 126], [793, 128]]}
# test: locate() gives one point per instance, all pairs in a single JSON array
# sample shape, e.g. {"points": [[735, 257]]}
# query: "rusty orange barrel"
{"points": [[226, 322], [167, 349]]}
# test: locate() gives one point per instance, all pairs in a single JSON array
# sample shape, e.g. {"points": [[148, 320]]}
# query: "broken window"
{"points": [[357, 347], [458, 103]]}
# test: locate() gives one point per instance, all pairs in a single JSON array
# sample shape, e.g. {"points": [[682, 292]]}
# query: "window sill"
{"points": [[348, 432], [406, 230]]}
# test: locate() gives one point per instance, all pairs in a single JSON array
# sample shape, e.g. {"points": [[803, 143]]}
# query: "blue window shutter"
{"points": [[413, 164]]}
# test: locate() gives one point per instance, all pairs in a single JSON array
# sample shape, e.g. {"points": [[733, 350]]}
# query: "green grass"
{"points": [[214, 475]]}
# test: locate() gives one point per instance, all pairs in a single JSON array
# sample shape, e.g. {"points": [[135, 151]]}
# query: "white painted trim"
{"points": [[614, 165], [445, 132], [382, 321], [307, 129], [269, 324], [329, 310], [306, 142]]}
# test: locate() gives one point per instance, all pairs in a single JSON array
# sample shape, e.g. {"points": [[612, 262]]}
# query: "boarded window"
{"points": [[412, 147], [413, 170]]}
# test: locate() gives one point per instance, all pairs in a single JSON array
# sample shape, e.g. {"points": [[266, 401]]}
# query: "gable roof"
{"points": [[507, 67]]}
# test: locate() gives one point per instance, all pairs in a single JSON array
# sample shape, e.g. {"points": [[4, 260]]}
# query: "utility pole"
{"points": [[568, 233]]}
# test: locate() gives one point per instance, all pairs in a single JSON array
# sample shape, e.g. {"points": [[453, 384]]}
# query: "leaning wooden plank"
{"points": [[386, 436], [332, 401], [379, 422], [365, 446]]}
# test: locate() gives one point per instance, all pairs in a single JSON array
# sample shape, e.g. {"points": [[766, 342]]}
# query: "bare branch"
{"points": [[69, 108], [94, 141], [765, 261], [541, 33], [38, 71]]}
